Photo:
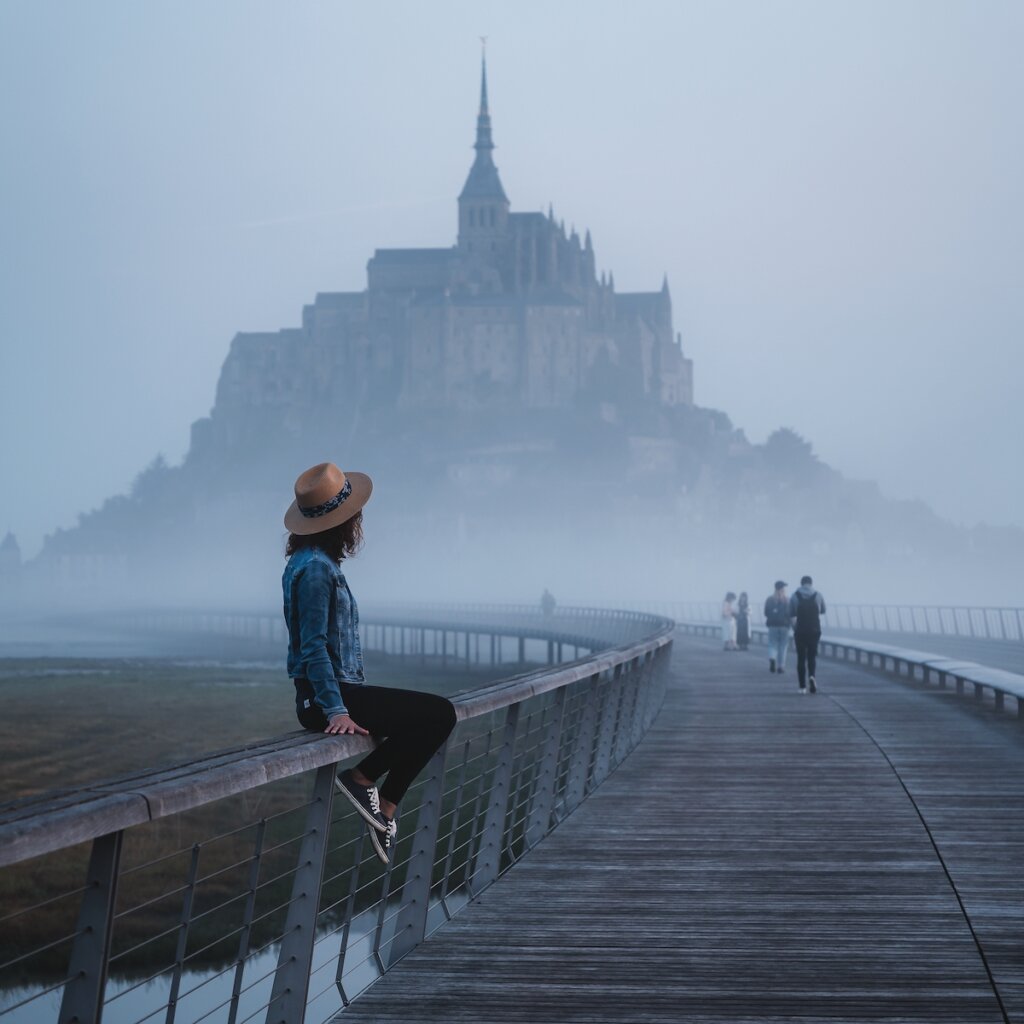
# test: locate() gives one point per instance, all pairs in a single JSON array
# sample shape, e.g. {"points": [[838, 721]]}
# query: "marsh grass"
{"points": [[70, 722]]}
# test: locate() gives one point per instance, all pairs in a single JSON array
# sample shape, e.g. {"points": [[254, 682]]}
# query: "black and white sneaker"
{"points": [[363, 798], [771, 664], [384, 842], [803, 689], [814, 688]]}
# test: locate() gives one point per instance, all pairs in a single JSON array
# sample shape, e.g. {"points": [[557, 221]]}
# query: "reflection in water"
{"points": [[206, 995]]}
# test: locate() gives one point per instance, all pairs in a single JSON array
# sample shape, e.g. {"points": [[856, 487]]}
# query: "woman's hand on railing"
{"points": [[343, 725]]}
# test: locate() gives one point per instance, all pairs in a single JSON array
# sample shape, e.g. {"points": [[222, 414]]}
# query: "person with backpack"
{"points": [[777, 619], [806, 608]]}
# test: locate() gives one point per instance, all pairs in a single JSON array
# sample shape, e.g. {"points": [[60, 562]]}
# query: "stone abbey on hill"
{"points": [[513, 316], [520, 418]]}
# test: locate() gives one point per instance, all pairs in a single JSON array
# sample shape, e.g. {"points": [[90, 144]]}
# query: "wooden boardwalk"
{"points": [[762, 856]]}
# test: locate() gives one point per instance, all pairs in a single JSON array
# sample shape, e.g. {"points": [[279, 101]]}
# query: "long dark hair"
{"points": [[337, 543]]}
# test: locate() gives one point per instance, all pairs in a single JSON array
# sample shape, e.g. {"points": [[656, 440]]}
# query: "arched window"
{"points": [[472, 217]]}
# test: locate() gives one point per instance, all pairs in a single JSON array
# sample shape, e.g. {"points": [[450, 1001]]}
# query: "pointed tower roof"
{"points": [[483, 181]]}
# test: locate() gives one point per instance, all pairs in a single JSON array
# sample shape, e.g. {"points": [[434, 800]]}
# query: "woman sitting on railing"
{"points": [[325, 660]]}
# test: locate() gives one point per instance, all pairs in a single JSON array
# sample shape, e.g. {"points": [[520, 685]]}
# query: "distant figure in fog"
{"points": [[547, 602], [777, 619], [806, 608], [743, 622], [729, 622], [325, 662]]}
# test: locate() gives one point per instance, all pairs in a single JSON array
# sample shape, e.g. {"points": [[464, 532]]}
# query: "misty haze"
{"points": [[681, 343]]}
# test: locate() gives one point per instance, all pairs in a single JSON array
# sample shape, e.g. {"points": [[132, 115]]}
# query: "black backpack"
{"points": [[808, 616]]}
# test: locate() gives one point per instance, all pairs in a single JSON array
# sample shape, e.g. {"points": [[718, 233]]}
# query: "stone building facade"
{"points": [[512, 316]]}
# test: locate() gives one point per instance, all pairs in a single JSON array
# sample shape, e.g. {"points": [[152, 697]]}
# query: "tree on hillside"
{"points": [[789, 455]]}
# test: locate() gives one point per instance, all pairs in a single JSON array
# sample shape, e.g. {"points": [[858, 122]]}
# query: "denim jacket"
{"points": [[323, 627]]}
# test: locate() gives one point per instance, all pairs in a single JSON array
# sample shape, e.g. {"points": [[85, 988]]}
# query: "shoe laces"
{"points": [[374, 799]]}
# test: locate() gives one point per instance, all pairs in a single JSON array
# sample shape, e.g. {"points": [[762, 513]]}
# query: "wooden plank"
{"points": [[757, 858]]}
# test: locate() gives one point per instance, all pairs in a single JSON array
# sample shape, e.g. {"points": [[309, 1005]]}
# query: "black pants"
{"points": [[806, 655], [409, 727]]}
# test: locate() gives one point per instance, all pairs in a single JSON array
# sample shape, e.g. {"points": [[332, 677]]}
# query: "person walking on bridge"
{"points": [[729, 623], [325, 660], [743, 622], [806, 608], [776, 618]]}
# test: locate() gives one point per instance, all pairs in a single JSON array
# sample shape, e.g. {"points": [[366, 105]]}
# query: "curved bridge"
{"points": [[232, 888], [760, 855]]}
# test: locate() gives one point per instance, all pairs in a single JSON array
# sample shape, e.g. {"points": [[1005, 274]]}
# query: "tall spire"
{"points": [[483, 181], [483, 120], [483, 74]]}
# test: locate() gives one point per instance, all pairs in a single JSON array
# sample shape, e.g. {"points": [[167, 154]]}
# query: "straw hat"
{"points": [[325, 497]]}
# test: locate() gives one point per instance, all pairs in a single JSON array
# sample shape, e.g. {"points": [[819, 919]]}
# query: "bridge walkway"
{"points": [[762, 856]]}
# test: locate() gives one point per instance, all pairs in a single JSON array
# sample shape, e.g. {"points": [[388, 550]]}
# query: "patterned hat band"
{"points": [[328, 506]]}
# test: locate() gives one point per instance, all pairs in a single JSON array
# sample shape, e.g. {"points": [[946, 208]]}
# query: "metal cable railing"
{"points": [[451, 634], [977, 622], [196, 909]]}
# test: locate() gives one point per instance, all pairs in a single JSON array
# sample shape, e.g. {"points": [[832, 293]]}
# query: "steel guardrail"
{"points": [[234, 888], [977, 622]]}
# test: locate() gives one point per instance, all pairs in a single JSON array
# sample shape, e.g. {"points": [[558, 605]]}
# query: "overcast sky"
{"points": [[834, 190]]}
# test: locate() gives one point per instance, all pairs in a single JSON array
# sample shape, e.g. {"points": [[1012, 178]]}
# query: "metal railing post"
{"points": [[644, 685], [446, 874], [609, 714], [82, 1002], [543, 800], [627, 687], [488, 858], [186, 920], [247, 918], [411, 927], [579, 769], [291, 981], [346, 931], [379, 941]]}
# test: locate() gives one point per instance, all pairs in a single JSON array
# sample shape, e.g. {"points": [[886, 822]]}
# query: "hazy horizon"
{"points": [[832, 191]]}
